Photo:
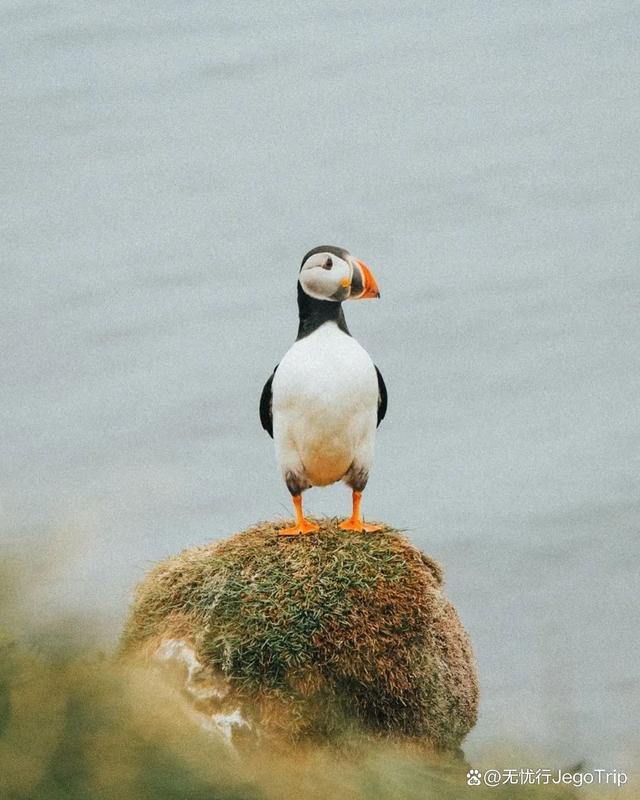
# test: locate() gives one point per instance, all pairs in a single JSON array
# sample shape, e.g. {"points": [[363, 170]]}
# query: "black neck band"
{"points": [[314, 313]]}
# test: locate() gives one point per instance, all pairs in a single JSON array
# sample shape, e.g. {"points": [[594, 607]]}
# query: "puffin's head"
{"points": [[331, 273]]}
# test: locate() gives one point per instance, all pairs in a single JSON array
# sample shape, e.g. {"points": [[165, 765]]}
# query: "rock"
{"points": [[311, 638]]}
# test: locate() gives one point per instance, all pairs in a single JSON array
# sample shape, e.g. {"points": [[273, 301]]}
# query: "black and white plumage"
{"points": [[325, 399]]}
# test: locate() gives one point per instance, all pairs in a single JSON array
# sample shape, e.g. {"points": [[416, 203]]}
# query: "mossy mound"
{"points": [[307, 637]]}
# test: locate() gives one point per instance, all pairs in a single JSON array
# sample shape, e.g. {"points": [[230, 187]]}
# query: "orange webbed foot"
{"points": [[300, 528], [358, 526]]}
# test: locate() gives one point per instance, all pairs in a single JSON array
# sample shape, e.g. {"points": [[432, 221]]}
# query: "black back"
{"points": [[382, 397], [266, 415]]}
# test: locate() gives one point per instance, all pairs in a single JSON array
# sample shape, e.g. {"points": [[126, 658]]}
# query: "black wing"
{"points": [[382, 396], [266, 417]]}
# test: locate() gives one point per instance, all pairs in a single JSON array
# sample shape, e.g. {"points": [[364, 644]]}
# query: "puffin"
{"points": [[325, 399]]}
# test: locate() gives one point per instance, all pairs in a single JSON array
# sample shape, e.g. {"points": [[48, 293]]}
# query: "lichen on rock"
{"points": [[307, 638]]}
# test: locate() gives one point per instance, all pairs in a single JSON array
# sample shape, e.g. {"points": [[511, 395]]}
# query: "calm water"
{"points": [[164, 168]]}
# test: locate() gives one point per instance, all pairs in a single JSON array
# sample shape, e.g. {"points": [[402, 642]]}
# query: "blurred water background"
{"points": [[166, 165]]}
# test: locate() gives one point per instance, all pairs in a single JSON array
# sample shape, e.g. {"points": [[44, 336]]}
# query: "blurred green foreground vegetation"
{"points": [[76, 724]]}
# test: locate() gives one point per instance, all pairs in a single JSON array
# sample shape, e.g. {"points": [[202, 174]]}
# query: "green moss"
{"points": [[319, 630]]}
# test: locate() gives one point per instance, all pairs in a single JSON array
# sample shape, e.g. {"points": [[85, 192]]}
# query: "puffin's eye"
{"points": [[328, 263]]}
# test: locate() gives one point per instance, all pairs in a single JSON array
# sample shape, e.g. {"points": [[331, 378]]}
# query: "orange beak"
{"points": [[364, 280]]}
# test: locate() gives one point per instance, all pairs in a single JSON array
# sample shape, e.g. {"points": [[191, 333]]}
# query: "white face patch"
{"points": [[326, 277]]}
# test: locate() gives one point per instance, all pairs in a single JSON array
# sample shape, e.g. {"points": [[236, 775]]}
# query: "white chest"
{"points": [[327, 369], [325, 400]]}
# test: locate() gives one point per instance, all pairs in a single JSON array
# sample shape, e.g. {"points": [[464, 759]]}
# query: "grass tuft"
{"points": [[318, 634]]}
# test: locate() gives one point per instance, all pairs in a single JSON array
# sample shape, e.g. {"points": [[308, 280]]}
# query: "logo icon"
{"points": [[473, 777]]}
